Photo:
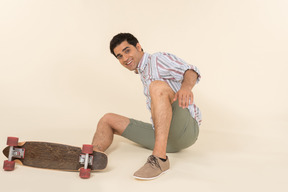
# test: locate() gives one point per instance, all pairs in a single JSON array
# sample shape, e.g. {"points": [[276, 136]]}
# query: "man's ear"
{"points": [[138, 47]]}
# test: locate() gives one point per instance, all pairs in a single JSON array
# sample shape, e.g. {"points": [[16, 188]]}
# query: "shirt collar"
{"points": [[143, 62]]}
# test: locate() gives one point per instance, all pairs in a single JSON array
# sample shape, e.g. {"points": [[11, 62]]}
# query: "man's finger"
{"points": [[175, 97], [183, 102], [191, 99], [187, 102]]}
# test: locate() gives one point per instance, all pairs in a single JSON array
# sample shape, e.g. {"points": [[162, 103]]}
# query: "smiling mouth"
{"points": [[128, 63]]}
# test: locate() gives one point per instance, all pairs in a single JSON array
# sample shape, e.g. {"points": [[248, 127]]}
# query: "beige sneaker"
{"points": [[153, 168]]}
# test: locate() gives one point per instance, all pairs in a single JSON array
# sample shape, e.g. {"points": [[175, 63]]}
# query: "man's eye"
{"points": [[127, 51], [119, 56]]}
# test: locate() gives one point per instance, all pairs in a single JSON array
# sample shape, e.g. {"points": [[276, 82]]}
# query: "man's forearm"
{"points": [[190, 79]]}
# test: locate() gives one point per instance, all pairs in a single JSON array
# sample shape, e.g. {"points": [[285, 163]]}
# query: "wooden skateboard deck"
{"points": [[56, 156]]}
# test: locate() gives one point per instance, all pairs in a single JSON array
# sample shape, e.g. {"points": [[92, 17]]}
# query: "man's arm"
{"points": [[185, 95]]}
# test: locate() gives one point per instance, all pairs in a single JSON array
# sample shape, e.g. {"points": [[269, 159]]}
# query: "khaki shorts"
{"points": [[183, 131]]}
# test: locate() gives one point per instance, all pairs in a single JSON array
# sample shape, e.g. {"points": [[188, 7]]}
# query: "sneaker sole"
{"points": [[150, 178]]}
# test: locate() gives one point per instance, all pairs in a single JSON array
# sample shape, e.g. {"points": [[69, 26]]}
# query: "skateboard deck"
{"points": [[55, 156]]}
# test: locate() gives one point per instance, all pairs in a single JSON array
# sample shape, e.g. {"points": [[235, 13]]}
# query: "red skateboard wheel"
{"points": [[84, 173], [9, 165], [12, 141], [87, 149]]}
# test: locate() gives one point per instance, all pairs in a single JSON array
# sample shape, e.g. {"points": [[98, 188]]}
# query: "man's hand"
{"points": [[184, 96]]}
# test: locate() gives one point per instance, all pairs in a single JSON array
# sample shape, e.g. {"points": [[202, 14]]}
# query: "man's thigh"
{"points": [[141, 133]]}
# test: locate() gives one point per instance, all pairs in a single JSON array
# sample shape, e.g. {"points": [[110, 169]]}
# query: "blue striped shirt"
{"points": [[169, 68]]}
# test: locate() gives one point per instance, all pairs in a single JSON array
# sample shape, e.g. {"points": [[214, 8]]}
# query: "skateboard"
{"points": [[53, 156]]}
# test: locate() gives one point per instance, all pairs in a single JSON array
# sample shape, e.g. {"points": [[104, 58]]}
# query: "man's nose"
{"points": [[125, 57]]}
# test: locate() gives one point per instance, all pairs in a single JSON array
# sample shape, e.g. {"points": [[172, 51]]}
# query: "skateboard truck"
{"points": [[9, 164], [85, 159]]}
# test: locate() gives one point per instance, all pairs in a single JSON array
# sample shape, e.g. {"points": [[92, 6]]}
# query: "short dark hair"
{"points": [[119, 38]]}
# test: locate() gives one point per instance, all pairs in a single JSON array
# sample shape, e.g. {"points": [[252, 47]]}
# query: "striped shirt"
{"points": [[169, 68]]}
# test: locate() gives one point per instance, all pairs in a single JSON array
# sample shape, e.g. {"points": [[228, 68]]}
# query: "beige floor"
{"points": [[246, 157]]}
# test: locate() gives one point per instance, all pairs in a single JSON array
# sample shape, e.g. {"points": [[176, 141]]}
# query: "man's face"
{"points": [[128, 55]]}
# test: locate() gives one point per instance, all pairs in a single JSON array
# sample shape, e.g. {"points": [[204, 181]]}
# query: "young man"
{"points": [[168, 83]]}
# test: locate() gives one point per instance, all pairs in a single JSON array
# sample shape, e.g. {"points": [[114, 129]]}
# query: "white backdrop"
{"points": [[57, 74]]}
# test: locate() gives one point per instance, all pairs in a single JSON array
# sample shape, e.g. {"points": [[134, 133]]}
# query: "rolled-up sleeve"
{"points": [[171, 67]]}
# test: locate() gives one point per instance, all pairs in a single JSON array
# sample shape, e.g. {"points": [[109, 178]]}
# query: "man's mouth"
{"points": [[128, 63]]}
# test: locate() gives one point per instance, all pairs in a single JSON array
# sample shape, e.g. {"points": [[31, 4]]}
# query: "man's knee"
{"points": [[106, 118], [160, 89], [115, 122]]}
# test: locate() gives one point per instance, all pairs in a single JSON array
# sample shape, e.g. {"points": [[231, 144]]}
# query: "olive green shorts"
{"points": [[183, 131]]}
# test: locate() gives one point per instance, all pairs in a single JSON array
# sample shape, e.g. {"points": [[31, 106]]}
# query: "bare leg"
{"points": [[108, 125], [162, 97]]}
